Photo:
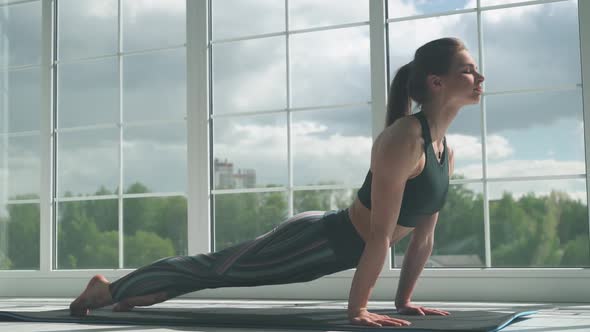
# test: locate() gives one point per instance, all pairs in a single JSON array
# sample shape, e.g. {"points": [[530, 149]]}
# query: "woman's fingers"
{"points": [[390, 321], [365, 321], [370, 319], [429, 311]]}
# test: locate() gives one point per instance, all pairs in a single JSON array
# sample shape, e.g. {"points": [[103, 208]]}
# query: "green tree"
{"points": [[243, 217], [85, 241], [23, 236], [551, 230], [146, 247]]}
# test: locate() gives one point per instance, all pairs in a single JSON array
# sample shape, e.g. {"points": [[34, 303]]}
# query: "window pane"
{"points": [[154, 228], [3, 2], [88, 236], [459, 234], [154, 86], [536, 140], [3, 170], [88, 162], [87, 28], [539, 224], [322, 200], [312, 13], [499, 2], [24, 167], [336, 72], [20, 34], [243, 217], [19, 236], [88, 93], [331, 146], [250, 151], [464, 137], [21, 100], [520, 41], [235, 18], [404, 8], [153, 23], [406, 37], [154, 158], [249, 75]]}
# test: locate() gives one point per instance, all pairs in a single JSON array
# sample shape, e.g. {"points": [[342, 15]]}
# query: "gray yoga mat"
{"points": [[279, 318]]}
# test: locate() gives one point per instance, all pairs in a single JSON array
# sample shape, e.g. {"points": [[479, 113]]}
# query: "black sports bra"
{"points": [[424, 194]]}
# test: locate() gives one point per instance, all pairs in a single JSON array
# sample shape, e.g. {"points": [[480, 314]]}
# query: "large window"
{"points": [[121, 133], [291, 111], [529, 163], [116, 114], [20, 104]]}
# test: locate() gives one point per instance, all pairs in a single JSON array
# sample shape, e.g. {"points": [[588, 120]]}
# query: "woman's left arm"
{"points": [[416, 256]]}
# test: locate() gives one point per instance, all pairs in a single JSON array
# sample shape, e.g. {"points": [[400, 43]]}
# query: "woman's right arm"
{"points": [[393, 159]]}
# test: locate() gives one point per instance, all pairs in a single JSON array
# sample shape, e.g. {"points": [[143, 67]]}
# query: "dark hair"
{"points": [[409, 83]]}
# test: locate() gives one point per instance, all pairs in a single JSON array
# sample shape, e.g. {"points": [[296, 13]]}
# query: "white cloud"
{"points": [[332, 48], [136, 8], [313, 13], [402, 9], [303, 128], [260, 85], [334, 147], [265, 149], [468, 147], [521, 14]]}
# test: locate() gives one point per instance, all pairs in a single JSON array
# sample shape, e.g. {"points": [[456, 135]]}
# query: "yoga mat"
{"points": [[283, 318]]}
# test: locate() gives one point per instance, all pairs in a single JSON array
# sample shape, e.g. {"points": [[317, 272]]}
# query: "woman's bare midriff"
{"points": [[361, 219]]}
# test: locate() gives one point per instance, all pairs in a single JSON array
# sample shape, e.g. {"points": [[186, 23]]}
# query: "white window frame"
{"points": [[440, 284]]}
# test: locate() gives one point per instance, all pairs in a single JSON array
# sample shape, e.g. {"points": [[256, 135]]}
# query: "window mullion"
{"points": [[198, 199], [290, 193], [120, 127], [584, 26], [46, 138], [377, 19]]}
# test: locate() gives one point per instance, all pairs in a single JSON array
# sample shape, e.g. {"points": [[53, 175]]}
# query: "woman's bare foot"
{"points": [[96, 295]]}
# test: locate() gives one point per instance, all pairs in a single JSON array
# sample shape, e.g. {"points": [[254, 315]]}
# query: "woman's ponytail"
{"points": [[399, 102]]}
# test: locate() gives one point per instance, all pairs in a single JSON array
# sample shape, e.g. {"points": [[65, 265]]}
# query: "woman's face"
{"points": [[461, 83], [464, 80]]}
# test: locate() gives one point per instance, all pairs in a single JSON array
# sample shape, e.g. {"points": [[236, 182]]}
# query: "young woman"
{"points": [[403, 191]]}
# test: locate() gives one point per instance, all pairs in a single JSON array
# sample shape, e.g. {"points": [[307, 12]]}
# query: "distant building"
{"points": [[223, 174], [245, 178], [225, 178]]}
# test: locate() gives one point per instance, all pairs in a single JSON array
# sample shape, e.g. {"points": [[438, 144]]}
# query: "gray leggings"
{"points": [[303, 248]]}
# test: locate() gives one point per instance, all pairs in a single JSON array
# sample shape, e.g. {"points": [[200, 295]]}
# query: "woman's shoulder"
{"points": [[401, 140], [404, 131]]}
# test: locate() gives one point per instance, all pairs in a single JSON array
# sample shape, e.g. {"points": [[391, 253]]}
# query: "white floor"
{"points": [[562, 317]]}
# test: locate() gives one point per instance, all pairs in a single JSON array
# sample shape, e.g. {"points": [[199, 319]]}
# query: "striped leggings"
{"points": [[302, 248]]}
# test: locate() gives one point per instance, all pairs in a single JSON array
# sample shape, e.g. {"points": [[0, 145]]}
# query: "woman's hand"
{"points": [[410, 309], [363, 317]]}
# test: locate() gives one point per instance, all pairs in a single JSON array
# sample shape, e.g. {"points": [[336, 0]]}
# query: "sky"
{"points": [[528, 133]]}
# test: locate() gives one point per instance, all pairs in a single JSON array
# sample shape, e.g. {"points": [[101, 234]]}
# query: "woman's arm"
{"points": [[394, 157], [415, 259]]}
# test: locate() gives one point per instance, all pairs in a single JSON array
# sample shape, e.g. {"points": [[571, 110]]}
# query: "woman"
{"points": [[403, 191]]}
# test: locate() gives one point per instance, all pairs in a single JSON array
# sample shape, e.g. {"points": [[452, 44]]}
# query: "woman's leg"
{"points": [[297, 250]]}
